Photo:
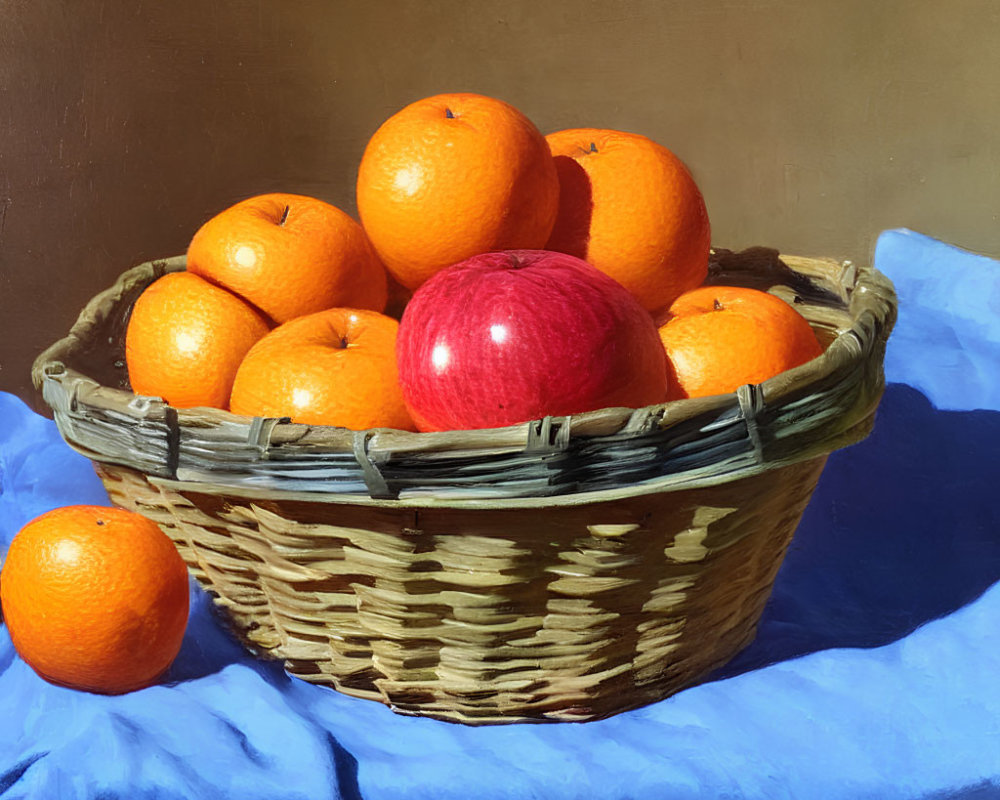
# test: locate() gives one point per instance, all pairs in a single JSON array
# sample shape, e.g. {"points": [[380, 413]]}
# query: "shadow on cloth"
{"points": [[209, 646], [896, 535]]}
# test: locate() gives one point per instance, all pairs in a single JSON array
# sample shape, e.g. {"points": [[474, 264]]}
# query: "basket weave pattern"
{"points": [[461, 612], [566, 569]]}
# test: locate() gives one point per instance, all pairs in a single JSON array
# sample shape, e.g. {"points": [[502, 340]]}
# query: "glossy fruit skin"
{"points": [[507, 337], [186, 338], [95, 598], [289, 255], [718, 338], [452, 176], [630, 207], [335, 367]]}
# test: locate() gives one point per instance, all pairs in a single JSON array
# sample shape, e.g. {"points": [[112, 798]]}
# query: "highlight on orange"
{"points": [[451, 176], [718, 338], [335, 367], [630, 207], [95, 598], [289, 255], [185, 340]]}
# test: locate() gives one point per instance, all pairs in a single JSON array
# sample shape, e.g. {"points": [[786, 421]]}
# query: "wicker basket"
{"points": [[564, 569]]}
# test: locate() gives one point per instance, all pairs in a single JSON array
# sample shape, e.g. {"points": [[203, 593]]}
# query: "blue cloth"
{"points": [[947, 340], [874, 674]]}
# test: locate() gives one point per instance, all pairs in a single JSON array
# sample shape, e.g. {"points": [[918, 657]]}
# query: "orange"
{"points": [[452, 176], [289, 255], [95, 598], [336, 367], [631, 208], [186, 338], [718, 338]]}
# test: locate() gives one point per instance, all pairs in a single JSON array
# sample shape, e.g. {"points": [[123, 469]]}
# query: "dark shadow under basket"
{"points": [[563, 569]]}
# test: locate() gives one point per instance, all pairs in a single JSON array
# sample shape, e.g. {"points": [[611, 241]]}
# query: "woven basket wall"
{"points": [[563, 569]]}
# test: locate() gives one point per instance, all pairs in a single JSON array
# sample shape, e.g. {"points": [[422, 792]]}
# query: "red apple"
{"points": [[511, 336]]}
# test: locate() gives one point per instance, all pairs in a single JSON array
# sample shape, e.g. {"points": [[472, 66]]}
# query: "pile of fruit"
{"points": [[496, 276]]}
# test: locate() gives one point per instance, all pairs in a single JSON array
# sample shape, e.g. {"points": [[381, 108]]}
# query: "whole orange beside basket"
{"points": [[562, 569]]}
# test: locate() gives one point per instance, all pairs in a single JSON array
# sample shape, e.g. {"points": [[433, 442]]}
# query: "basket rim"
{"points": [[586, 498], [868, 295]]}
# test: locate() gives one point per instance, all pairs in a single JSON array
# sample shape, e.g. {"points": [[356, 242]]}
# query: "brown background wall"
{"points": [[810, 126]]}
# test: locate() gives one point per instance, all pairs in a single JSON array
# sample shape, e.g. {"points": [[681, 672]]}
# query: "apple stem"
{"points": [[448, 114], [284, 215], [716, 305], [593, 148]]}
